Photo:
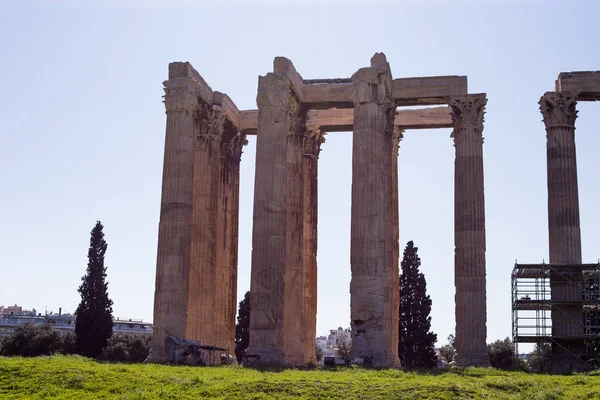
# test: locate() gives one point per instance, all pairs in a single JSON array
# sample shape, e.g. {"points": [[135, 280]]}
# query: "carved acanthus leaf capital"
{"points": [[181, 95], [233, 148], [212, 120], [397, 137], [467, 112], [313, 141], [296, 124], [467, 116], [558, 109]]}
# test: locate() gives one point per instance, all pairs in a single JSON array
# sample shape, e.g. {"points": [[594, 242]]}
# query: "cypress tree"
{"points": [[94, 320], [416, 345], [242, 328]]}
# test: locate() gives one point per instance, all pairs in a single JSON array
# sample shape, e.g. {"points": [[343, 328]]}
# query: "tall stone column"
{"points": [[227, 240], [374, 284], [469, 231], [397, 136], [269, 220], [175, 226], [202, 277], [559, 111], [294, 239], [312, 148]]}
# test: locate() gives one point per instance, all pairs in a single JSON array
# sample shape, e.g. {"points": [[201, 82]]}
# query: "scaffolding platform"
{"points": [[567, 295]]}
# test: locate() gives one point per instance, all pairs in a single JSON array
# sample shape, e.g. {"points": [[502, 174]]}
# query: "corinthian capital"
{"points": [[212, 122], [468, 112], [397, 137], [232, 148], [558, 109], [313, 141], [181, 95]]}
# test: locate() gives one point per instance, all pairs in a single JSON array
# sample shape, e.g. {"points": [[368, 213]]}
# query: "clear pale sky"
{"points": [[82, 131]]}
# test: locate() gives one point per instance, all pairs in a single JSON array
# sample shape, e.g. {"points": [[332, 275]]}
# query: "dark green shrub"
{"points": [[30, 340]]}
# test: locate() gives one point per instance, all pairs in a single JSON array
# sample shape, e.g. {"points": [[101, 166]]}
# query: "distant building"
{"points": [[13, 316], [329, 344]]}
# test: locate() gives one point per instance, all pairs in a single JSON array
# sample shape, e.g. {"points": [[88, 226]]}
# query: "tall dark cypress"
{"points": [[242, 328], [416, 344], [94, 320]]}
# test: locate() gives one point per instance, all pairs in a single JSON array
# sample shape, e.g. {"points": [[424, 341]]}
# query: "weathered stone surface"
{"points": [[269, 227], [294, 238], [312, 147], [175, 226], [184, 351], [559, 111], [469, 231], [583, 84], [203, 263], [227, 240], [374, 284]]}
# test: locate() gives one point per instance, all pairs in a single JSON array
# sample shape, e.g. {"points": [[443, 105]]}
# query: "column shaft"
{"points": [[309, 307], [469, 231], [397, 136], [559, 111], [294, 266], [227, 241], [374, 287], [203, 262], [269, 220], [174, 230]]}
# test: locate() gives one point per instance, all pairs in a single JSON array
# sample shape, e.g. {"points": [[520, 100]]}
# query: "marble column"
{"points": [[202, 277], [374, 283], [294, 239], [227, 240], [397, 136], [469, 231], [269, 220], [559, 111], [312, 148], [175, 226]]}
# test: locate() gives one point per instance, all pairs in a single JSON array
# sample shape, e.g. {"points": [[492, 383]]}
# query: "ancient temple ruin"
{"points": [[197, 251]]}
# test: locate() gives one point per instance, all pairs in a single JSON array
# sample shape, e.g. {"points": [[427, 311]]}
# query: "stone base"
{"points": [[472, 359], [154, 356]]}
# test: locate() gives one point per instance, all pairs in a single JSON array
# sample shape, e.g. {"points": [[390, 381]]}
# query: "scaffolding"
{"points": [[569, 295]]}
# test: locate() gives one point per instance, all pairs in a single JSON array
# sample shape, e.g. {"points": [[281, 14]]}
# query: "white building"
{"points": [[15, 316], [329, 344]]}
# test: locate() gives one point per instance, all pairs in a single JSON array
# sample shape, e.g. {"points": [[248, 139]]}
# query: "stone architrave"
{"points": [[269, 220], [374, 285], [227, 240], [203, 262], [559, 111], [175, 226], [312, 148], [469, 231]]}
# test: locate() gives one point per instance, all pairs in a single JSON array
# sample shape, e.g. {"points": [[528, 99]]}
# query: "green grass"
{"points": [[61, 377]]}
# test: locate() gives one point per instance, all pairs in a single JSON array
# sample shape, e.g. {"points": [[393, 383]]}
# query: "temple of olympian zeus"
{"points": [[196, 273]]}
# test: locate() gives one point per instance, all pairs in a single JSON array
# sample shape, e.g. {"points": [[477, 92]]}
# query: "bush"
{"points": [[30, 340], [126, 347], [69, 340], [502, 354]]}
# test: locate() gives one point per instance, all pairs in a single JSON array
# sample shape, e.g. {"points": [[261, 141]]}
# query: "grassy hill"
{"points": [[61, 377]]}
